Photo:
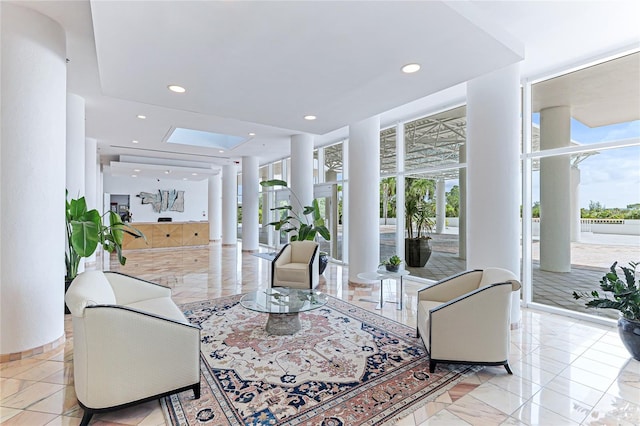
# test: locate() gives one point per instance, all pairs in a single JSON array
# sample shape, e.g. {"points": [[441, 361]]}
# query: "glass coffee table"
{"points": [[283, 305]]}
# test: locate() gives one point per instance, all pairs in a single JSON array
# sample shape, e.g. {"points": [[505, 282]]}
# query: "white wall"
{"points": [[195, 197]]}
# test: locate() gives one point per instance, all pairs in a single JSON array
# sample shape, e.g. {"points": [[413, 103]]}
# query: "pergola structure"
{"points": [[432, 147]]}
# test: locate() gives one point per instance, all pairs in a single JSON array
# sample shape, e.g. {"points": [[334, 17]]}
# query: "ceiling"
{"points": [[259, 67]]}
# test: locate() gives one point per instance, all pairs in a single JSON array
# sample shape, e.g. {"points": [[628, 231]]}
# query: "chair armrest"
{"points": [[477, 320], [128, 289], [451, 287], [113, 344], [284, 256]]}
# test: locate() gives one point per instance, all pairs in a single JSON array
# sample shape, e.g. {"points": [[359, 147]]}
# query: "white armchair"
{"points": [[465, 319], [296, 265], [131, 343]]}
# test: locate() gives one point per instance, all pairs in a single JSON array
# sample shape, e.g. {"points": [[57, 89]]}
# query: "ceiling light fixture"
{"points": [[194, 174], [134, 175], [177, 89], [134, 141], [141, 117], [166, 172], [136, 170], [252, 134], [310, 117], [410, 68], [222, 150]]}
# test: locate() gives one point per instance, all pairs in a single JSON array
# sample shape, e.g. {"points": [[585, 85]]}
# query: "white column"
{"points": [[75, 148], [400, 188], [215, 207], [462, 207], [346, 228], [555, 186], [301, 170], [32, 172], [250, 194], [91, 173], [575, 204], [441, 206], [90, 185], [229, 205], [364, 197], [493, 197]]}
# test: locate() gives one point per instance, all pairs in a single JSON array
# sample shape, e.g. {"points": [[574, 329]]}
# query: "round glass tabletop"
{"points": [[283, 300]]}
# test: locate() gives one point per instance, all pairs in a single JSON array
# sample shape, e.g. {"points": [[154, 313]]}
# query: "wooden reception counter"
{"points": [[168, 234]]}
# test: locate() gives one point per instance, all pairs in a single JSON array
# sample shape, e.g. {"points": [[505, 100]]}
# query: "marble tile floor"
{"points": [[566, 372]]}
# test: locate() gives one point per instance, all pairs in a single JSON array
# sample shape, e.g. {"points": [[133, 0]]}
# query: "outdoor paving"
{"points": [[591, 259]]}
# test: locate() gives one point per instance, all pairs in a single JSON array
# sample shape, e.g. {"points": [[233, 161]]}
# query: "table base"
{"points": [[283, 324]]}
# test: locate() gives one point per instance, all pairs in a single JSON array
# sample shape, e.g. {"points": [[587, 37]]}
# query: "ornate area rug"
{"points": [[347, 366]]}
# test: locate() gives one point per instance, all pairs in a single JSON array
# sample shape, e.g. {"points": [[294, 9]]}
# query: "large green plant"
{"points": [[417, 211], [305, 224], [85, 230], [626, 294]]}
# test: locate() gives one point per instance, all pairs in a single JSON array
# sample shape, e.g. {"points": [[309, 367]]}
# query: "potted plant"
{"points": [[392, 264], [303, 225], [625, 298], [418, 222], [85, 230]]}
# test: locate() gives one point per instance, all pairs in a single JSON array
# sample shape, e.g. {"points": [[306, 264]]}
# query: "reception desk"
{"points": [[168, 234]]}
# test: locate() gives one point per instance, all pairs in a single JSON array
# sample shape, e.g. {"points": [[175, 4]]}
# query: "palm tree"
{"points": [[388, 192]]}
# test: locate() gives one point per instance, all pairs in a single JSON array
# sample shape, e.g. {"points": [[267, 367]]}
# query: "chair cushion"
{"points": [[301, 251], [161, 306], [292, 272]]}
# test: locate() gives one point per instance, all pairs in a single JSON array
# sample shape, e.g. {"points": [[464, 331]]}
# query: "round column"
{"points": [[215, 207], [400, 188], [555, 184], [364, 197], [32, 172], [441, 206], [493, 170], [90, 184], [75, 149], [301, 170], [575, 204], [462, 207], [229, 205], [91, 173], [250, 193]]}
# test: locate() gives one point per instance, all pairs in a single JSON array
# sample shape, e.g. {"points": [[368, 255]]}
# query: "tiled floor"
{"points": [[566, 372]]}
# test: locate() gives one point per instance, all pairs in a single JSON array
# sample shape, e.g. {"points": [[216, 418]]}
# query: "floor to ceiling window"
{"points": [[433, 162], [585, 180]]}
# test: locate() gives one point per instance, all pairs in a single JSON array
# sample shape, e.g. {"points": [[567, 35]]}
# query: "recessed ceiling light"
{"points": [[194, 174], [141, 117], [134, 141], [166, 172], [185, 179], [177, 89], [252, 134], [134, 175], [410, 68], [310, 117], [222, 150], [136, 170]]}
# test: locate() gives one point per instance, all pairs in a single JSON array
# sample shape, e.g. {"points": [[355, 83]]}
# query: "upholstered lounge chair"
{"points": [[464, 319], [131, 343], [296, 265]]}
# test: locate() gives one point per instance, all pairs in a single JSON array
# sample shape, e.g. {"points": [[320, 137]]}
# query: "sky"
{"points": [[611, 177]]}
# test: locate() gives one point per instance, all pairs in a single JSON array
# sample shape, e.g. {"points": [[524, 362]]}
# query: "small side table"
{"points": [[383, 274]]}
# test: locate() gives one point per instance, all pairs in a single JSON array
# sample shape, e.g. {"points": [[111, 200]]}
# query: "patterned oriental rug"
{"points": [[347, 366]]}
